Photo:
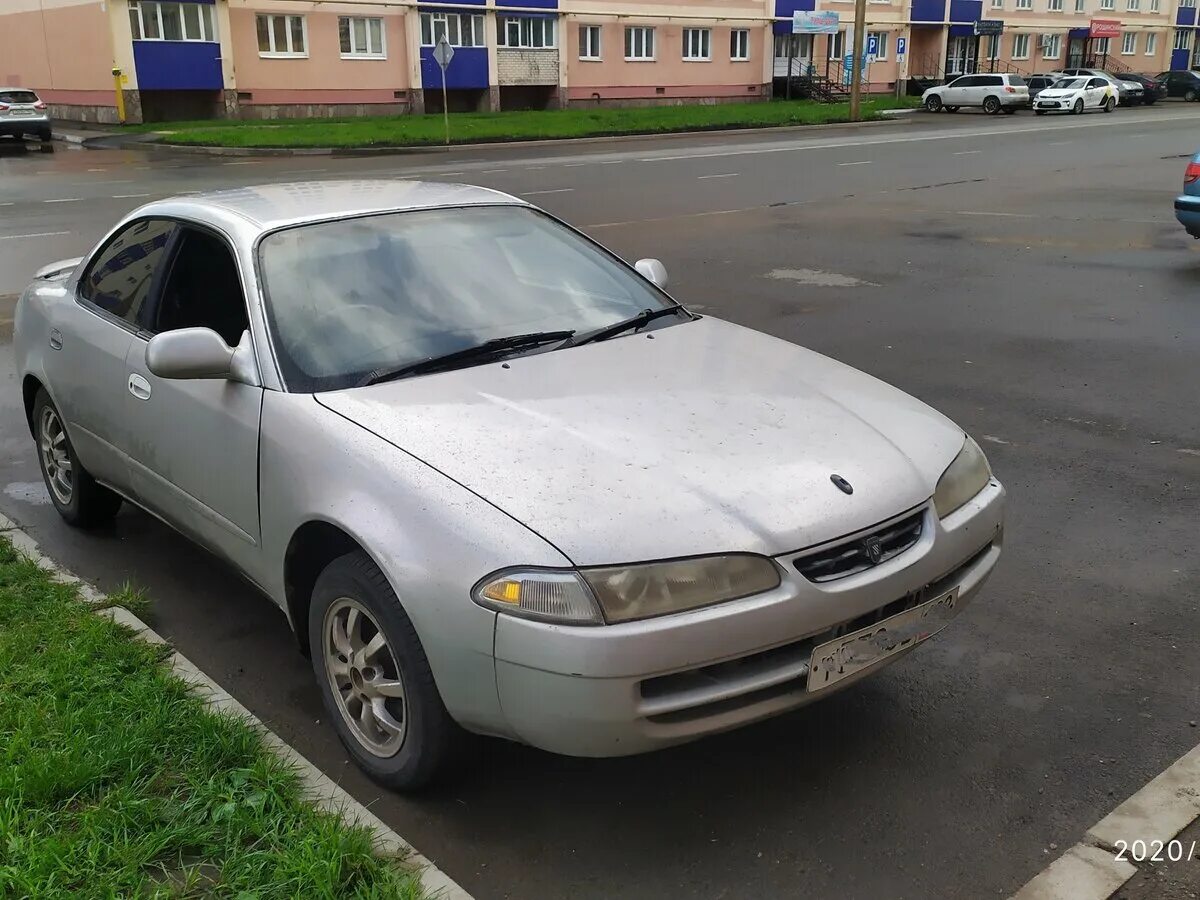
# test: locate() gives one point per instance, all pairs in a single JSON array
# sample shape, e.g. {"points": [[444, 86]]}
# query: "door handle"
{"points": [[55, 339], [139, 387]]}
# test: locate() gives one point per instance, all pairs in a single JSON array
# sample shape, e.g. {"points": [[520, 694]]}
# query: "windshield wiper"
{"points": [[457, 358], [633, 322]]}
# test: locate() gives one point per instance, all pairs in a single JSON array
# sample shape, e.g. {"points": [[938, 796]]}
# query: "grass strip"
{"points": [[469, 128], [116, 781]]}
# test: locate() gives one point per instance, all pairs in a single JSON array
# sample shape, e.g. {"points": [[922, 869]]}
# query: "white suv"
{"points": [[992, 93]]}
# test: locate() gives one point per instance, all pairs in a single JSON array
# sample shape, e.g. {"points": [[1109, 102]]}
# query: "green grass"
{"points": [[116, 782], [466, 128]]}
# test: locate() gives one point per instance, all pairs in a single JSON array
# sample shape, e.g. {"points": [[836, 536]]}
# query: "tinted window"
{"points": [[18, 97], [203, 289], [1097, 82], [346, 298], [119, 277], [1016, 80], [991, 80]]}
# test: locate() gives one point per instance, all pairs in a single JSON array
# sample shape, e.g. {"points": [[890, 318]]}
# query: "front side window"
{"points": [[526, 32], [361, 36], [739, 44], [348, 298], [202, 289], [150, 20], [118, 278], [589, 41], [282, 35], [1020, 46], [639, 42], [697, 44], [459, 30]]}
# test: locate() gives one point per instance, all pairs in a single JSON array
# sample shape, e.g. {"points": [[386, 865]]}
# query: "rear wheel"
{"points": [[79, 499], [1109, 105], [1189, 95], [1078, 107], [933, 103], [991, 105]]}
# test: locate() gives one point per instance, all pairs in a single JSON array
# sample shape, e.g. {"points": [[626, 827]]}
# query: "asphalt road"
{"points": [[1027, 277]]}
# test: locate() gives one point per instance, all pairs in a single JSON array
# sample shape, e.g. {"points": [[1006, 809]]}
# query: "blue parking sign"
{"points": [[901, 46], [872, 45]]}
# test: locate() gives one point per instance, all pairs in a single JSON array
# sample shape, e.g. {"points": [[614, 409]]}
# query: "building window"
{"points": [[1107, 4], [153, 21], [1051, 44], [835, 43], [1153, 6], [1054, 5], [1133, 5], [361, 36], [997, 4], [1024, 4], [589, 41], [1128, 43], [1181, 38], [526, 32], [1187, 3], [282, 35], [460, 29], [1079, 6], [1151, 44], [639, 43], [1101, 46], [739, 44], [697, 44], [881, 41], [993, 46], [1020, 46]]}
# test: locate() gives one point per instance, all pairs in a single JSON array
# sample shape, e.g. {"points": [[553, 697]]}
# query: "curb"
{"points": [[316, 787], [141, 142], [1157, 812]]}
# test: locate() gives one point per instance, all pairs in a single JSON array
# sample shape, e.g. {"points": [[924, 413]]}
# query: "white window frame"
{"points": [[639, 43], [835, 42], [289, 52], [1054, 49], [1128, 43], [1020, 40], [1024, 4], [366, 52], [589, 42], [1151, 44], [1187, 4], [1108, 4], [881, 56], [1154, 6], [1054, 5], [997, 4], [1182, 38], [1102, 46], [1079, 4], [1133, 5], [464, 22], [143, 9], [697, 45], [522, 32], [739, 45]]}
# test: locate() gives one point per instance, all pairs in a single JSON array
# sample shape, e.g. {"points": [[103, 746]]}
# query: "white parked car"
{"points": [[1129, 93], [992, 93], [1075, 95]]}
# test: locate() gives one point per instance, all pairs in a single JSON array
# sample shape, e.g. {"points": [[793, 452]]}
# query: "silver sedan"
{"points": [[498, 479]]}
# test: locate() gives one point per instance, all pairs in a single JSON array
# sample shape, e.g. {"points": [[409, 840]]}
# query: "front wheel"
{"points": [[991, 105], [1078, 107], [79, 499], [374, 677], [933, 103]]}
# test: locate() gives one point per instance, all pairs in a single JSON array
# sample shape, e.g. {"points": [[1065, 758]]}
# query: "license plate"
{"points": [[851, 653], [21, 111]]}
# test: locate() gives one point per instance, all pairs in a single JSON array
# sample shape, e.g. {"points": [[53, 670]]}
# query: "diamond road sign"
{"points": [[443, 53]]}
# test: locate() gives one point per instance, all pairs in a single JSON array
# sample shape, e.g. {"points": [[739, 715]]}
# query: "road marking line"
{"points": [[492, 171], [863, 162], [318, 788], [117, 181], [63, 200], [967, 212], [612, 162], [573, 165], [9, 203], [36, 234], [1059, 143], [555, 191], [97, 170], [726, 175], [447, 174], [967, 152], [715, 212], [306, 171], [128, 196], [243, 162]]}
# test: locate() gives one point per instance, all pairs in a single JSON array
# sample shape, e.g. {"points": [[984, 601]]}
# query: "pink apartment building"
{"points": [[175, 59]]}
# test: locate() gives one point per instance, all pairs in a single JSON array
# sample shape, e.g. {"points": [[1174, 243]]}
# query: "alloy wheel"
{"points": [[365, 678], [55, 457]]}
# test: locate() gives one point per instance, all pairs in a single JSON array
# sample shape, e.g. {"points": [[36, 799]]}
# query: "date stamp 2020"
{"points": [[1156, 851]]}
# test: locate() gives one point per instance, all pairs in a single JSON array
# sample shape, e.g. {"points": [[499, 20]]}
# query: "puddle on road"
{"points": [[31, 492], [817, 278]]}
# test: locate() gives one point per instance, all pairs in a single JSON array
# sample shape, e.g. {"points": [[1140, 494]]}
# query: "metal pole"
{"points": [[860, 15], [445, 108], [791, 56]]}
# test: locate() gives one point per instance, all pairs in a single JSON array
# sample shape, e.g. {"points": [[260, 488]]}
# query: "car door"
{"points": [[1096, 93], [193, 443], [1173, 82], [971, 91], [89, 340]]}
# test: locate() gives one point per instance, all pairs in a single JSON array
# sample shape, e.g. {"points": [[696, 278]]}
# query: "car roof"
{"points": [[270, 206]]}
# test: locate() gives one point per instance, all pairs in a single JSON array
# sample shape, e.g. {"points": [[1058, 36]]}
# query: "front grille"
{"points": [[862, 552]]}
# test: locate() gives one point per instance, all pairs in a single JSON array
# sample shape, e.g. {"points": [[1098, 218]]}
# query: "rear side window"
{"points": [[1097, 82], [18, 97], [1016, 80], [119, 277], [991, 80]]}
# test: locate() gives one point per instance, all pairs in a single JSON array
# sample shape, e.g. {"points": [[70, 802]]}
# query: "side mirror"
{"points": [[189, 353], [653, 271]]}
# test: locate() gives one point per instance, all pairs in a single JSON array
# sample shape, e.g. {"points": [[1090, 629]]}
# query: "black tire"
{"points": [[951, 109], [933, 103], [1109, 105], [1009, 110], [1077, 109], [89, 503], [1039, 112], [991, 105], [432, 739], [1189, 95]]}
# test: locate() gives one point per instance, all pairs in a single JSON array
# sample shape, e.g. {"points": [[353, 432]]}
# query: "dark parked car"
{"points": [[1153, 89], [1182, 83], [1038, 83]]}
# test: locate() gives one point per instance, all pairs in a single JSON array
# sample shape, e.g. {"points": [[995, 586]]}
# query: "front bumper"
{"points": [[638, 686], [1187, 211]]}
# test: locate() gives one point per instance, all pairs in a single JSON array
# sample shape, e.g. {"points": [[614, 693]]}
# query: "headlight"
{"points": [[962, 480], [624, 593]]}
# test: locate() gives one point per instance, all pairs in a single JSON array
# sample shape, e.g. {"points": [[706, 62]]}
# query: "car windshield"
{"points": [[352, 297], [18, 97], [1070, 84]]}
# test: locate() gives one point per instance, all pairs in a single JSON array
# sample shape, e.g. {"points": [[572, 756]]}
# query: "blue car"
{"points": [[1187, 204]]}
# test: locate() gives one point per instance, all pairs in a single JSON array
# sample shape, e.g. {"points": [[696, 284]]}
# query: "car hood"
{"points": [[707, 438], [1058, 93]]}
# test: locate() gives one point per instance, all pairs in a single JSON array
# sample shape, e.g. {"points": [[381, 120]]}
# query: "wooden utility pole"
{"points": [[860, 37]]}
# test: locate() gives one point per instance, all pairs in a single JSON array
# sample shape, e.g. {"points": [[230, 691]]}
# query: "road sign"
{"points": [[989, 26], [901, 47], [872, 45], [442, 54]]}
